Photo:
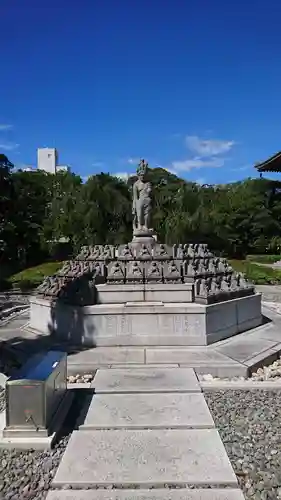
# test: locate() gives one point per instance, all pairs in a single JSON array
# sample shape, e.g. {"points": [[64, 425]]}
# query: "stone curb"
{"points": [[17, 311], [240, 386], [79, 385]]}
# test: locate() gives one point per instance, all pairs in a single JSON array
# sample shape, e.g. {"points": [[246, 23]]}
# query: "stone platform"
{"points": [[233, 357], [144, 294], [136, 322]]}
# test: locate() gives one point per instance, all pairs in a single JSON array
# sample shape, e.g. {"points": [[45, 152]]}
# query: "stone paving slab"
{"points": [[230, 370], [150, 365], [108, 356], [147, 380], [159, 494], [186, 355], [270, 332], [269, 355], [243, 348], [145, 458], [9, 333], [148, 411]]}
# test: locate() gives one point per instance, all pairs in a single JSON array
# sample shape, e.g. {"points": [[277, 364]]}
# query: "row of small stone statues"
{"points": [[142, 251], [220, 288], [208, 281], [166, 269]]}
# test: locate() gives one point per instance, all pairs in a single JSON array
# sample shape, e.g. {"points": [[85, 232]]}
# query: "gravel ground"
{"points": [[81, 378], [249, 424], [28, 474], [266, 373]]}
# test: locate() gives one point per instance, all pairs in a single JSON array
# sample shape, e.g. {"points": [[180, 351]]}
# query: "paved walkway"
{"points": [[145, 435]]}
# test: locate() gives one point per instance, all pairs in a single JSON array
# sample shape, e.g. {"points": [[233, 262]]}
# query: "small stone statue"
{"points": [[141, 199]]}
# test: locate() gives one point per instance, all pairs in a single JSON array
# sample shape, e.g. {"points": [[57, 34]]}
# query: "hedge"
{"points": [[263, 259], [257, 274]]}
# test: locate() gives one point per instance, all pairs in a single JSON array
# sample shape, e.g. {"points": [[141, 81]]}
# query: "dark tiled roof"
{"points": [[272, 164]]}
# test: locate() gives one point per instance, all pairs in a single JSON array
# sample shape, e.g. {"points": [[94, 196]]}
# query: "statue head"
{"points": [[142, 169]]}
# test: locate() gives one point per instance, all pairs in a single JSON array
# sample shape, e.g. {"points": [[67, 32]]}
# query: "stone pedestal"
{"points": [[146, 323], [143, 237]]}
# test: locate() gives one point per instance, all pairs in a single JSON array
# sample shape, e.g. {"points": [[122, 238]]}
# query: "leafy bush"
{"points": [[263, 259], [25, 285], [257, 274], [33, 276]]}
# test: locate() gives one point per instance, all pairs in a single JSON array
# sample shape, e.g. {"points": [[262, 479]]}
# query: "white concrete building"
{"points": [[47, 160]]}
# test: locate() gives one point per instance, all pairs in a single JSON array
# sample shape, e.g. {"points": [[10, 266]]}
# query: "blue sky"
{"points": [[191, 85]]}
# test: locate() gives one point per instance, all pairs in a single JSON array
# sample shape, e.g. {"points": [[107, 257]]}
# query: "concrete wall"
{"points": [[139, 324]]}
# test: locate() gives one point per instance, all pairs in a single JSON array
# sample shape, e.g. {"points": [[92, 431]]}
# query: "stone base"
{"points": [[173, 293], [143, 237], [146, 323], [24, 438]]}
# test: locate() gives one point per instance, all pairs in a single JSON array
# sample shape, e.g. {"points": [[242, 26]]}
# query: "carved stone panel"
{"points": [[84, 253], [125, 252], [162, 252], [95, 253], [108, 252], [182, 251], [143, 252], [124, 325], [116, 272], [172, 272], [135, 272], [153, 272], [110, 325]]}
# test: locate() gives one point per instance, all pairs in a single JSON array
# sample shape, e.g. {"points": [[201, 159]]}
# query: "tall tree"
{"points": [[7, 240]]}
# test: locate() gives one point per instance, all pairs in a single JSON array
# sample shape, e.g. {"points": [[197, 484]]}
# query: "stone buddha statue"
{"points": [[141, 200]]}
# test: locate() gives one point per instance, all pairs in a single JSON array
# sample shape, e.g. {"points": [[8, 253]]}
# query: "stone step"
{"points": [[159, 494], [154, 380], [147, 411], [145, 459]]}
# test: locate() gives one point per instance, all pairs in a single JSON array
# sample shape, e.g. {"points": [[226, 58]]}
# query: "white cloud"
{"points": [[124, 176], [25, 167], [133, 161], [97, 164], [170, 170], [8, 146], [187, 165], [5, 126], [200, 181], [207, 147], [242, 169]]}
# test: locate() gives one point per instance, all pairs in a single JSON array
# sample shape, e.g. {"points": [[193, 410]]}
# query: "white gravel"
{"points": [[270, 373], [79, 378]]}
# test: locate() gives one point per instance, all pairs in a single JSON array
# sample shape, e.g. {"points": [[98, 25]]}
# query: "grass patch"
{"points": [[257, 274], [263, 259], [33, 276]]}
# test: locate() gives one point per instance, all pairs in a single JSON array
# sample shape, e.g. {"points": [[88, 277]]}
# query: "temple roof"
{"points": [[272, 164]]}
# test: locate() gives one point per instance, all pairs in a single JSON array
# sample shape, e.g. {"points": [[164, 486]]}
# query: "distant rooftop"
{"points": [[272, 164]]}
